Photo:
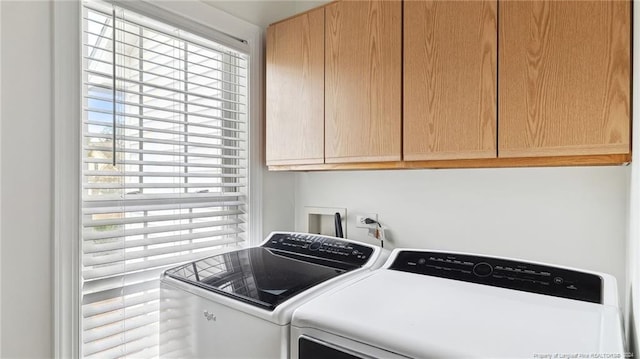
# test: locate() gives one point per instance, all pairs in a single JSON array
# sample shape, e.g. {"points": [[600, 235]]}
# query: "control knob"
{"points": [[482, 269]]}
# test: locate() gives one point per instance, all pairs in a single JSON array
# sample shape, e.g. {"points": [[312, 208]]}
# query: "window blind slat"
{"points": [[195, 51], [159, 185], [159, 163], [99, 294], [157, 197], [92, 235], [118, 257], [148, 24], [214, 84], [160, 218], [170, 98], [170, 120], [123, 208], [113, 317], [159, 43], [168, 56], [179, 153], [95, 329], [92, 247], [162, 174], [151, 98], [106, 295], [148, 94], [176, 90], [173, 91], [165, 142], [151, 130], [96, 273], [124, 80], [116, 344], [179, 122]]}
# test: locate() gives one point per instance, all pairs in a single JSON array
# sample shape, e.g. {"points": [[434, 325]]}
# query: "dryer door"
{"points": [[308, 343], [309, 348]]}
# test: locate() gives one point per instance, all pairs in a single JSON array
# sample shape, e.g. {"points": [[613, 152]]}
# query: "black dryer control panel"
{"points": [[497, 272]]}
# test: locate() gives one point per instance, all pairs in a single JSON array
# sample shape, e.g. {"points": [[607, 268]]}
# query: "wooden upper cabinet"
{"points": [[450, 79], [295, 90], [564, 78], [363, 72]]}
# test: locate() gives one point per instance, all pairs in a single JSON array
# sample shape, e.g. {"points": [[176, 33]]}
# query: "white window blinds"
{"points": [[164, 169]]}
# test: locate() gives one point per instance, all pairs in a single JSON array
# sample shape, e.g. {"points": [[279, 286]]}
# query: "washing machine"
{"points": [[432, 304], [239, 304]]}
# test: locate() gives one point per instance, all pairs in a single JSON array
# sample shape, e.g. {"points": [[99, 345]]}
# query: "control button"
{"points": [[314, 246], [558, 280], [422, 261], [482, 269]]}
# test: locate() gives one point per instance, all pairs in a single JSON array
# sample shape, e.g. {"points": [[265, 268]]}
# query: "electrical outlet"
{"points": [[360, 220]]}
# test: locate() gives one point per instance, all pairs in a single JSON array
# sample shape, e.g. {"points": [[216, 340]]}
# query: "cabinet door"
{"points": [[363, 81], [564, 78], [450, 51], [295, 90]]}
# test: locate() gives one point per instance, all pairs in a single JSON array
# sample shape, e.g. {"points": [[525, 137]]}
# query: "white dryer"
{"points": [[239, 304], [431, 304]]}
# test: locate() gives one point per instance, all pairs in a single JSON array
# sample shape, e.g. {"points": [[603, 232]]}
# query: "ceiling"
{"points": [[264, 12]]}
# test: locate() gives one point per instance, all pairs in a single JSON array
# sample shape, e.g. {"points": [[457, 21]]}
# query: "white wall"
{"points": [[26, 237], [569, 216], [278, 202]]}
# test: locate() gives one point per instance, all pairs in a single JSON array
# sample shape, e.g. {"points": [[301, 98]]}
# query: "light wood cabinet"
{"points": [[295, 90], [564, 78], [450, 79], [363, 73], [488, 83]]}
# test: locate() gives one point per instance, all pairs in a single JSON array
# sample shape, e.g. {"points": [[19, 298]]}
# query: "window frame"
{"points": [[67, 98]]}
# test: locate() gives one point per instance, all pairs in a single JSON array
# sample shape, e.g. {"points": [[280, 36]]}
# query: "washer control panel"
{"points": [[497, 272], [321, 247]]}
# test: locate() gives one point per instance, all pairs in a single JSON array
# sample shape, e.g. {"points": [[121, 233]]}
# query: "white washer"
{"points": [[431, 304], [239, 304]]}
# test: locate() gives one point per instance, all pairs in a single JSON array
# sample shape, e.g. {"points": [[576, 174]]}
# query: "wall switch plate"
{"points": [[361, 217]]}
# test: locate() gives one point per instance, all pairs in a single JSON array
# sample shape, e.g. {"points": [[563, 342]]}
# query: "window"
{"points": [[164, 168]]}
